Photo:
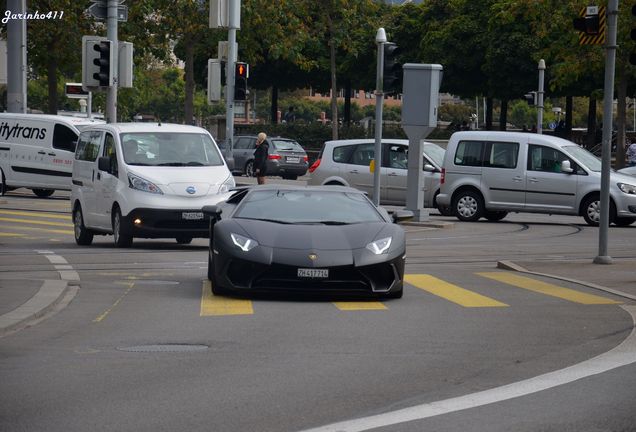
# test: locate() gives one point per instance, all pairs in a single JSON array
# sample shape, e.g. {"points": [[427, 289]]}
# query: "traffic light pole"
{"points": [[540, 97], [229, 73], [606, 162], [111, 34], [380, 39]]}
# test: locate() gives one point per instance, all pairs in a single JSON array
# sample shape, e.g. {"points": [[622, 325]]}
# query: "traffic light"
{"points": [[104, 61], [392, 69], [241, 73], [531, 98]]}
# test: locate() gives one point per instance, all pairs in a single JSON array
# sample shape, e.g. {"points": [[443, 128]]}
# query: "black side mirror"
{"points": [[103, 164]]}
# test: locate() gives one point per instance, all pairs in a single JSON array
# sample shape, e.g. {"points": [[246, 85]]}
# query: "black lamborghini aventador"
{"points": [[320, 239]]}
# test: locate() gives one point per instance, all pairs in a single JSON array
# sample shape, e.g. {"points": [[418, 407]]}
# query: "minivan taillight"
{"points": [[443, 176], [315, 165]]}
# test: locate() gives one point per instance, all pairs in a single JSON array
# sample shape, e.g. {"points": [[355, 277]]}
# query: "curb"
{"points": [[430, 224], [49, 295], [509, 265]]}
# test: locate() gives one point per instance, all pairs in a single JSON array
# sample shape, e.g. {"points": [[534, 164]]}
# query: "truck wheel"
{"points": [[468, 206], [121, 232], [43, 193], [83, 236]]}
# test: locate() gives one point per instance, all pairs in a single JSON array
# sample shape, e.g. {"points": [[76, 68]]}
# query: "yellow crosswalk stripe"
{"points": [[25, 228], [3, 234], [35, 222], [547, 288], [361, 305], [212, 305], [36, 214], [451, 292]]}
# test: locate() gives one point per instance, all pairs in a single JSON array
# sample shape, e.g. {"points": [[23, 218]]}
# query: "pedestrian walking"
{"points": [[631, 154], [260, 158]]}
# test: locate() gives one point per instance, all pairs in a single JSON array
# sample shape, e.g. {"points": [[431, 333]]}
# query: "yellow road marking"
{"points": [[130, 286], [547, 288], [451, 292], [212, 305], [36, 214], [362, 305], [53, 231], [2, 234], [35, 222]]}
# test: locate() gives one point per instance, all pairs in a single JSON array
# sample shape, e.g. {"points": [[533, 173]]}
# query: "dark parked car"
{"points": [[286, 157], [226, 151], [321, 239]]}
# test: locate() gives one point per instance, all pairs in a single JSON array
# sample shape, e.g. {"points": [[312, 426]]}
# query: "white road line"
{"points": [[622, 355], [61, 265]]}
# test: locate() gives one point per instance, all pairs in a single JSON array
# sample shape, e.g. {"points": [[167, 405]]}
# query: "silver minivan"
{"points": [[488, 174]]}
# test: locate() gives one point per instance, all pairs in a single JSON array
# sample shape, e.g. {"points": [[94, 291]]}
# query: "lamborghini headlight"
{"points": [[380, 246], [627, 188], [246, 244]]}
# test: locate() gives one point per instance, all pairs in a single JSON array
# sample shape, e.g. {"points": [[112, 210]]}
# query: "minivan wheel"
{"points": [[83, 236], [592, 211], [249, 168], [121, 235], [495, 216], [468, 206], [43, 193]]}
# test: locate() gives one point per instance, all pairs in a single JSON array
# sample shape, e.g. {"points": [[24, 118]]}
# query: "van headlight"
{"points": [[135, 182], [227, 184], [627, 188], [380, 246]]}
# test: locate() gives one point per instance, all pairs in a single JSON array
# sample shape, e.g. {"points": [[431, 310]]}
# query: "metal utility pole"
{"points": [[606, 162], [540, 97], [234, 8], [380, 40], [16, 59], [111, 34]]}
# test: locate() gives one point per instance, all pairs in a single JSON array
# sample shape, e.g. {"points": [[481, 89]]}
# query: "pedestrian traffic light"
{"points": [[241, 73], [589, 24], [531, 98], [392, 69], [104, 61]]}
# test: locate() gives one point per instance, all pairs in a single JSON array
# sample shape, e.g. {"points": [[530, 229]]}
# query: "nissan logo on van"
{"points": [[191, 190]]}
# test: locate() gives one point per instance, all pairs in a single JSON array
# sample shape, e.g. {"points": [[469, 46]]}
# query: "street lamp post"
{"points": [[540, 97], [380, 40]]}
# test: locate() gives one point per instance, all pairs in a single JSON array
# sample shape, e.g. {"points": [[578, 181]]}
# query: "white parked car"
{"points": [[629, 171], [346, 163], [488, 174], [146, 180]]}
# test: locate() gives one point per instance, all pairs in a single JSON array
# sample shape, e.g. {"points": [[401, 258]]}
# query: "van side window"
{"points": [[110, 151], [469, 153], [64, 138], [363, 154], [342, 154], [501, 155], [541, 158], [88, 146]]}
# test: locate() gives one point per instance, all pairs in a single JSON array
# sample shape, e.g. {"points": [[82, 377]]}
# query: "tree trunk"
{"points": [[334, 91], [621, 112], [503, 115], [189, 84], [52, 81], [274, 110], [347, 103], [569, 107], [489, 113]]}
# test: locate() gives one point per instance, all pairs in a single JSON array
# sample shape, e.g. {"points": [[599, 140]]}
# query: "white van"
{"points": [[146, 180], [488, 174], [37, 150]]}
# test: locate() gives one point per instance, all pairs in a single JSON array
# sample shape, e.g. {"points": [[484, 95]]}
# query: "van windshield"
{"points": [[170, 149], [587, 159]]}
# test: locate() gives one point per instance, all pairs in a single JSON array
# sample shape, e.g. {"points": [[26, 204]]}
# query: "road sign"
{"points": [[75, 91], [100, 11], [593, 39]]}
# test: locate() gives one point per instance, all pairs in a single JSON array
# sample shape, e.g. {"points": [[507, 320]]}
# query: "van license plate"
{"points": [[192, 215], [313, 273]]}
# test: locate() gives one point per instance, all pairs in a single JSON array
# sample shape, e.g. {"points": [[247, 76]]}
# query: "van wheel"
{"points": [[43, 193], [592, 211], [184, 240], [3, 184], [83, 236], [121, 231], [249, 168], [495, 216], [468, 206]]}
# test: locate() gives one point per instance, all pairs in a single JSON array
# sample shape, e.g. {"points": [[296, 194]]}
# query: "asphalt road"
{"points": [[143, 346]]}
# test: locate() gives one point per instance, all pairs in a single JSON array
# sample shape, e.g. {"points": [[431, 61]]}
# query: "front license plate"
{"points": [[293, 159], [313, 273], [192, 215]]}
